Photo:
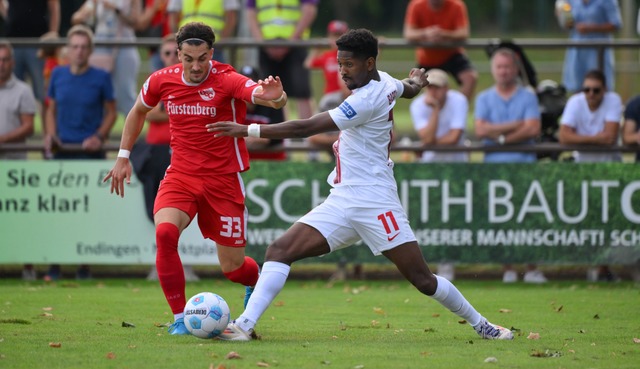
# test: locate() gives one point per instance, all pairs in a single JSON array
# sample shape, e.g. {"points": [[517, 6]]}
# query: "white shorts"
{"points": [[353, 213]]}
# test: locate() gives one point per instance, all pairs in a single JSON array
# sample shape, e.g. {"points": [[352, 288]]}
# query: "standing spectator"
{"points": [[440, 118], [592, 117], [17, 105], [115, 20], [508, 113], [204, 176], [591, 20], [442, 21], [220, 15], [34, 18], [154, 22], [262, 115], [363, 203], [17, 111], [81, 109], [284, 20], [67, 9], [631, 129], [335, 90]]}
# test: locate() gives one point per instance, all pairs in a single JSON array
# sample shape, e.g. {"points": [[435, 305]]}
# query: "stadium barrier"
{"points": [[551, 212]]}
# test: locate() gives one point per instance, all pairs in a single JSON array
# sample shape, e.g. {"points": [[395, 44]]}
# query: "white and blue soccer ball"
{"points": [[206, 315]]}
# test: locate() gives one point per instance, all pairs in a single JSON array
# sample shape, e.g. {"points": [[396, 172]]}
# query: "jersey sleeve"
{"points": [[241, 87], [150, 92], [353, 112]]}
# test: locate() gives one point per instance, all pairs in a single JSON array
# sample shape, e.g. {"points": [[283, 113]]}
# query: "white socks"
{"points": [[178, 316], [272, 278], [448, 295]]}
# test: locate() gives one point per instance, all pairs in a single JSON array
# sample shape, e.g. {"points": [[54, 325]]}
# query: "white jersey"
{"points": [[365, 120]]}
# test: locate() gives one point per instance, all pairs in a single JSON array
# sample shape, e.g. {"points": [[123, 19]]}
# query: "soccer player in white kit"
{"points": [[363, 203]]}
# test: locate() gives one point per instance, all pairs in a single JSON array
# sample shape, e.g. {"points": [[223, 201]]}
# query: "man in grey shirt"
{"points": [[17, 105]]}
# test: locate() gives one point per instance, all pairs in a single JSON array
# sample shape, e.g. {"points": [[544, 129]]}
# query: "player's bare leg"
{"points": [[299, 242], [410, 262]]}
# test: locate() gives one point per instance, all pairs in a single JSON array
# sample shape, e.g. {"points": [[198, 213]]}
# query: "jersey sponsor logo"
{"points": [[187, 109], [249, 83], [207, 94], [347, 110]]}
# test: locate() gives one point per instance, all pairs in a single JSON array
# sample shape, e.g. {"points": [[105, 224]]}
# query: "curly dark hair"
{"points": [[361, 42], [195, 33]]}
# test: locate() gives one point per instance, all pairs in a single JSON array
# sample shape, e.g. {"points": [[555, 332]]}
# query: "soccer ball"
{"points": [[206, 315]]}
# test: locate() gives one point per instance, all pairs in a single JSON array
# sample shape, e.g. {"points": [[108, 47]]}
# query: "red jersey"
{"points": [[453, 15], [328, 61], [219, 97]]}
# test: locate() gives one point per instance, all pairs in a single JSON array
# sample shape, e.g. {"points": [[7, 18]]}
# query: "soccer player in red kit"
{"points": [[204, 175]]}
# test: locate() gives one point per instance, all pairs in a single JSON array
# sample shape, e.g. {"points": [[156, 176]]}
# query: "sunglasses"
{"points": [[595, 90], [170, 52]]}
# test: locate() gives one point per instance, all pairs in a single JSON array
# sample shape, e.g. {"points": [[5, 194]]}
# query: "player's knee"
{"points": [[167, 235], [277, 251], [426, 284]]}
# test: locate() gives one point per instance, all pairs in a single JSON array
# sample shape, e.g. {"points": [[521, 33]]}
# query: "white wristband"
{"points": [[279, 99], [124, 153], [253, 130]]}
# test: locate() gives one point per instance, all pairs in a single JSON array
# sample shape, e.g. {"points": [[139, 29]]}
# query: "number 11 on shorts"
{"points": [[392, 229]]}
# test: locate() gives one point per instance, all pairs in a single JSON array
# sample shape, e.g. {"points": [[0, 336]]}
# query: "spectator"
{"points": [[592, 117], [17, 105], [440, 117], [17, 111], [81, 109], [593, 20], [35, 18], [631, 129], [335, 90], [442, 21], [267, 23], [222, 16], [508, 113], [154, 22], [115, 20], [262, 115]]}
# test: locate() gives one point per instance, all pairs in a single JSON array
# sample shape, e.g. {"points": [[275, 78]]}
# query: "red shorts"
{"points": [[218, 200]]}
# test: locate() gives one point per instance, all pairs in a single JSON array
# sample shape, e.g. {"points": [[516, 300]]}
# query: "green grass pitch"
{"points": [[312, 324]]}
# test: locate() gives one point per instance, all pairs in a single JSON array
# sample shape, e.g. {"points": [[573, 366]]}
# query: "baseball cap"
{"points": [[337, 26], [437, 77]]}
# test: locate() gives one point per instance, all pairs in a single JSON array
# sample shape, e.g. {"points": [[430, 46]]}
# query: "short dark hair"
{"points": [[195, 33], [361, 42], [598, 75]]}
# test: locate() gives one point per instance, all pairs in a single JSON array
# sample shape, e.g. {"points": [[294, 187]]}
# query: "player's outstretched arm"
{"points": [[298, 128], [121, 170], [416, 81], [270, 93]]}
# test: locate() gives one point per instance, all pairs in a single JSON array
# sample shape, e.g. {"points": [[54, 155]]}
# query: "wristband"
{"points": [[124, 153], [253, 130], [279, 99]]}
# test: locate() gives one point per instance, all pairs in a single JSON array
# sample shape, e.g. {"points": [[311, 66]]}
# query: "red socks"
{"points": [[169, 266], [247, 274]]}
